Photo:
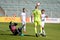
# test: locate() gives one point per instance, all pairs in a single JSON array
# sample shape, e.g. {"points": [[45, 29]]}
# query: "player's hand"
{"points": [[46, 16]]}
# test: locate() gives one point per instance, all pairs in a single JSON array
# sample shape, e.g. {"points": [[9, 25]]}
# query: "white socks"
{"points": [[24, 28], [43, 32]]}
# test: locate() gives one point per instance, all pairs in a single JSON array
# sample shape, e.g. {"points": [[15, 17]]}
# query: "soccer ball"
{"points": [[38, 4]]}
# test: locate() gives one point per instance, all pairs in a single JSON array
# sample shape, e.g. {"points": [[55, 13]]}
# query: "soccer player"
{"points": [[12, 27], [36, 14], [23, 16], [43, 21]]}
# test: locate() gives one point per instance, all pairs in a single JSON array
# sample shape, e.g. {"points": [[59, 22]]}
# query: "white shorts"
{"points": [[43, 23], [23, 22]]}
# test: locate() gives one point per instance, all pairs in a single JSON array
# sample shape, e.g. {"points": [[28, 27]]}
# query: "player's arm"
{"points": [[40, 14], [46, 16], [32, 17]]}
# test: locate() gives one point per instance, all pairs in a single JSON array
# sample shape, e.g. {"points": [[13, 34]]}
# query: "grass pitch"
{"points": [[52, 31]]}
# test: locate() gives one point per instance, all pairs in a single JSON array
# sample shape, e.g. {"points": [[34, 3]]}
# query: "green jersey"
{"points": [[37, 14]]}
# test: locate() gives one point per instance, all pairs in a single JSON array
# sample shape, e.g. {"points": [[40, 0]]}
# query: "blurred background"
{"points": [[14, 7]]}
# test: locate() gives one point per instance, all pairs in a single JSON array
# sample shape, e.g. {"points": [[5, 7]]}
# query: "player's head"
{"points": [[37, 4], [42, 11], [10, 23], [23, 9], [15, 24]]}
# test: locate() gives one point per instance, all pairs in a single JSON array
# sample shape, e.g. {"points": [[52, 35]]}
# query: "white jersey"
{"points": [[23, 15], [43, 17], [43, 20]]}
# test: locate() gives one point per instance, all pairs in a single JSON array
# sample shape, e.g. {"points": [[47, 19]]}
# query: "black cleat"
{"points": [[36, 35], [43, 35]]}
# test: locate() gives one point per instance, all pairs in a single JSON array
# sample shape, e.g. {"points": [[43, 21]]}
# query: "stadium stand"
{"points": [[10, 7]]}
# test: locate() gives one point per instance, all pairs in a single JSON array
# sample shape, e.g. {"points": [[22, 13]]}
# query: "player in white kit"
{"points": [[23, 15], [43, 21]]}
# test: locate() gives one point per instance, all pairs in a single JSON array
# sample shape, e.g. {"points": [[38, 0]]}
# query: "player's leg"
{"points": [[43, 31], [20, 30], [24, 23], [21, 27], [40, 23], [15, 32], [35, 24], [24, 27]]}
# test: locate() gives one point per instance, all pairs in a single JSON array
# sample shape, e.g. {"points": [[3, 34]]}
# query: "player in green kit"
{"points": [[36, 14]]}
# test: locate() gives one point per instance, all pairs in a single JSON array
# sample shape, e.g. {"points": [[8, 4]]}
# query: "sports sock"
{"points": [[24, 28], [35, 30], [21, 27], [40, 29], [44, 32]]}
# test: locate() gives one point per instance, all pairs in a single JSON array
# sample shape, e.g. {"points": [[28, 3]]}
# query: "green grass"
{"points": [[52, 31]]}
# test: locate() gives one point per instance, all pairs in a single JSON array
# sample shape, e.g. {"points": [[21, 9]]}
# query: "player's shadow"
{"points": [[15, 35], [7, 34], [29, 35]]}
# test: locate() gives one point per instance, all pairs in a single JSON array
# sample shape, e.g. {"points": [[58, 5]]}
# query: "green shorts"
{"points": [[36, 23]]}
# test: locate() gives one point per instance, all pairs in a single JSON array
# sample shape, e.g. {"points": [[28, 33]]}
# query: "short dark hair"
{"points": [[23, 9], [10, 22], [42, 10]]}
